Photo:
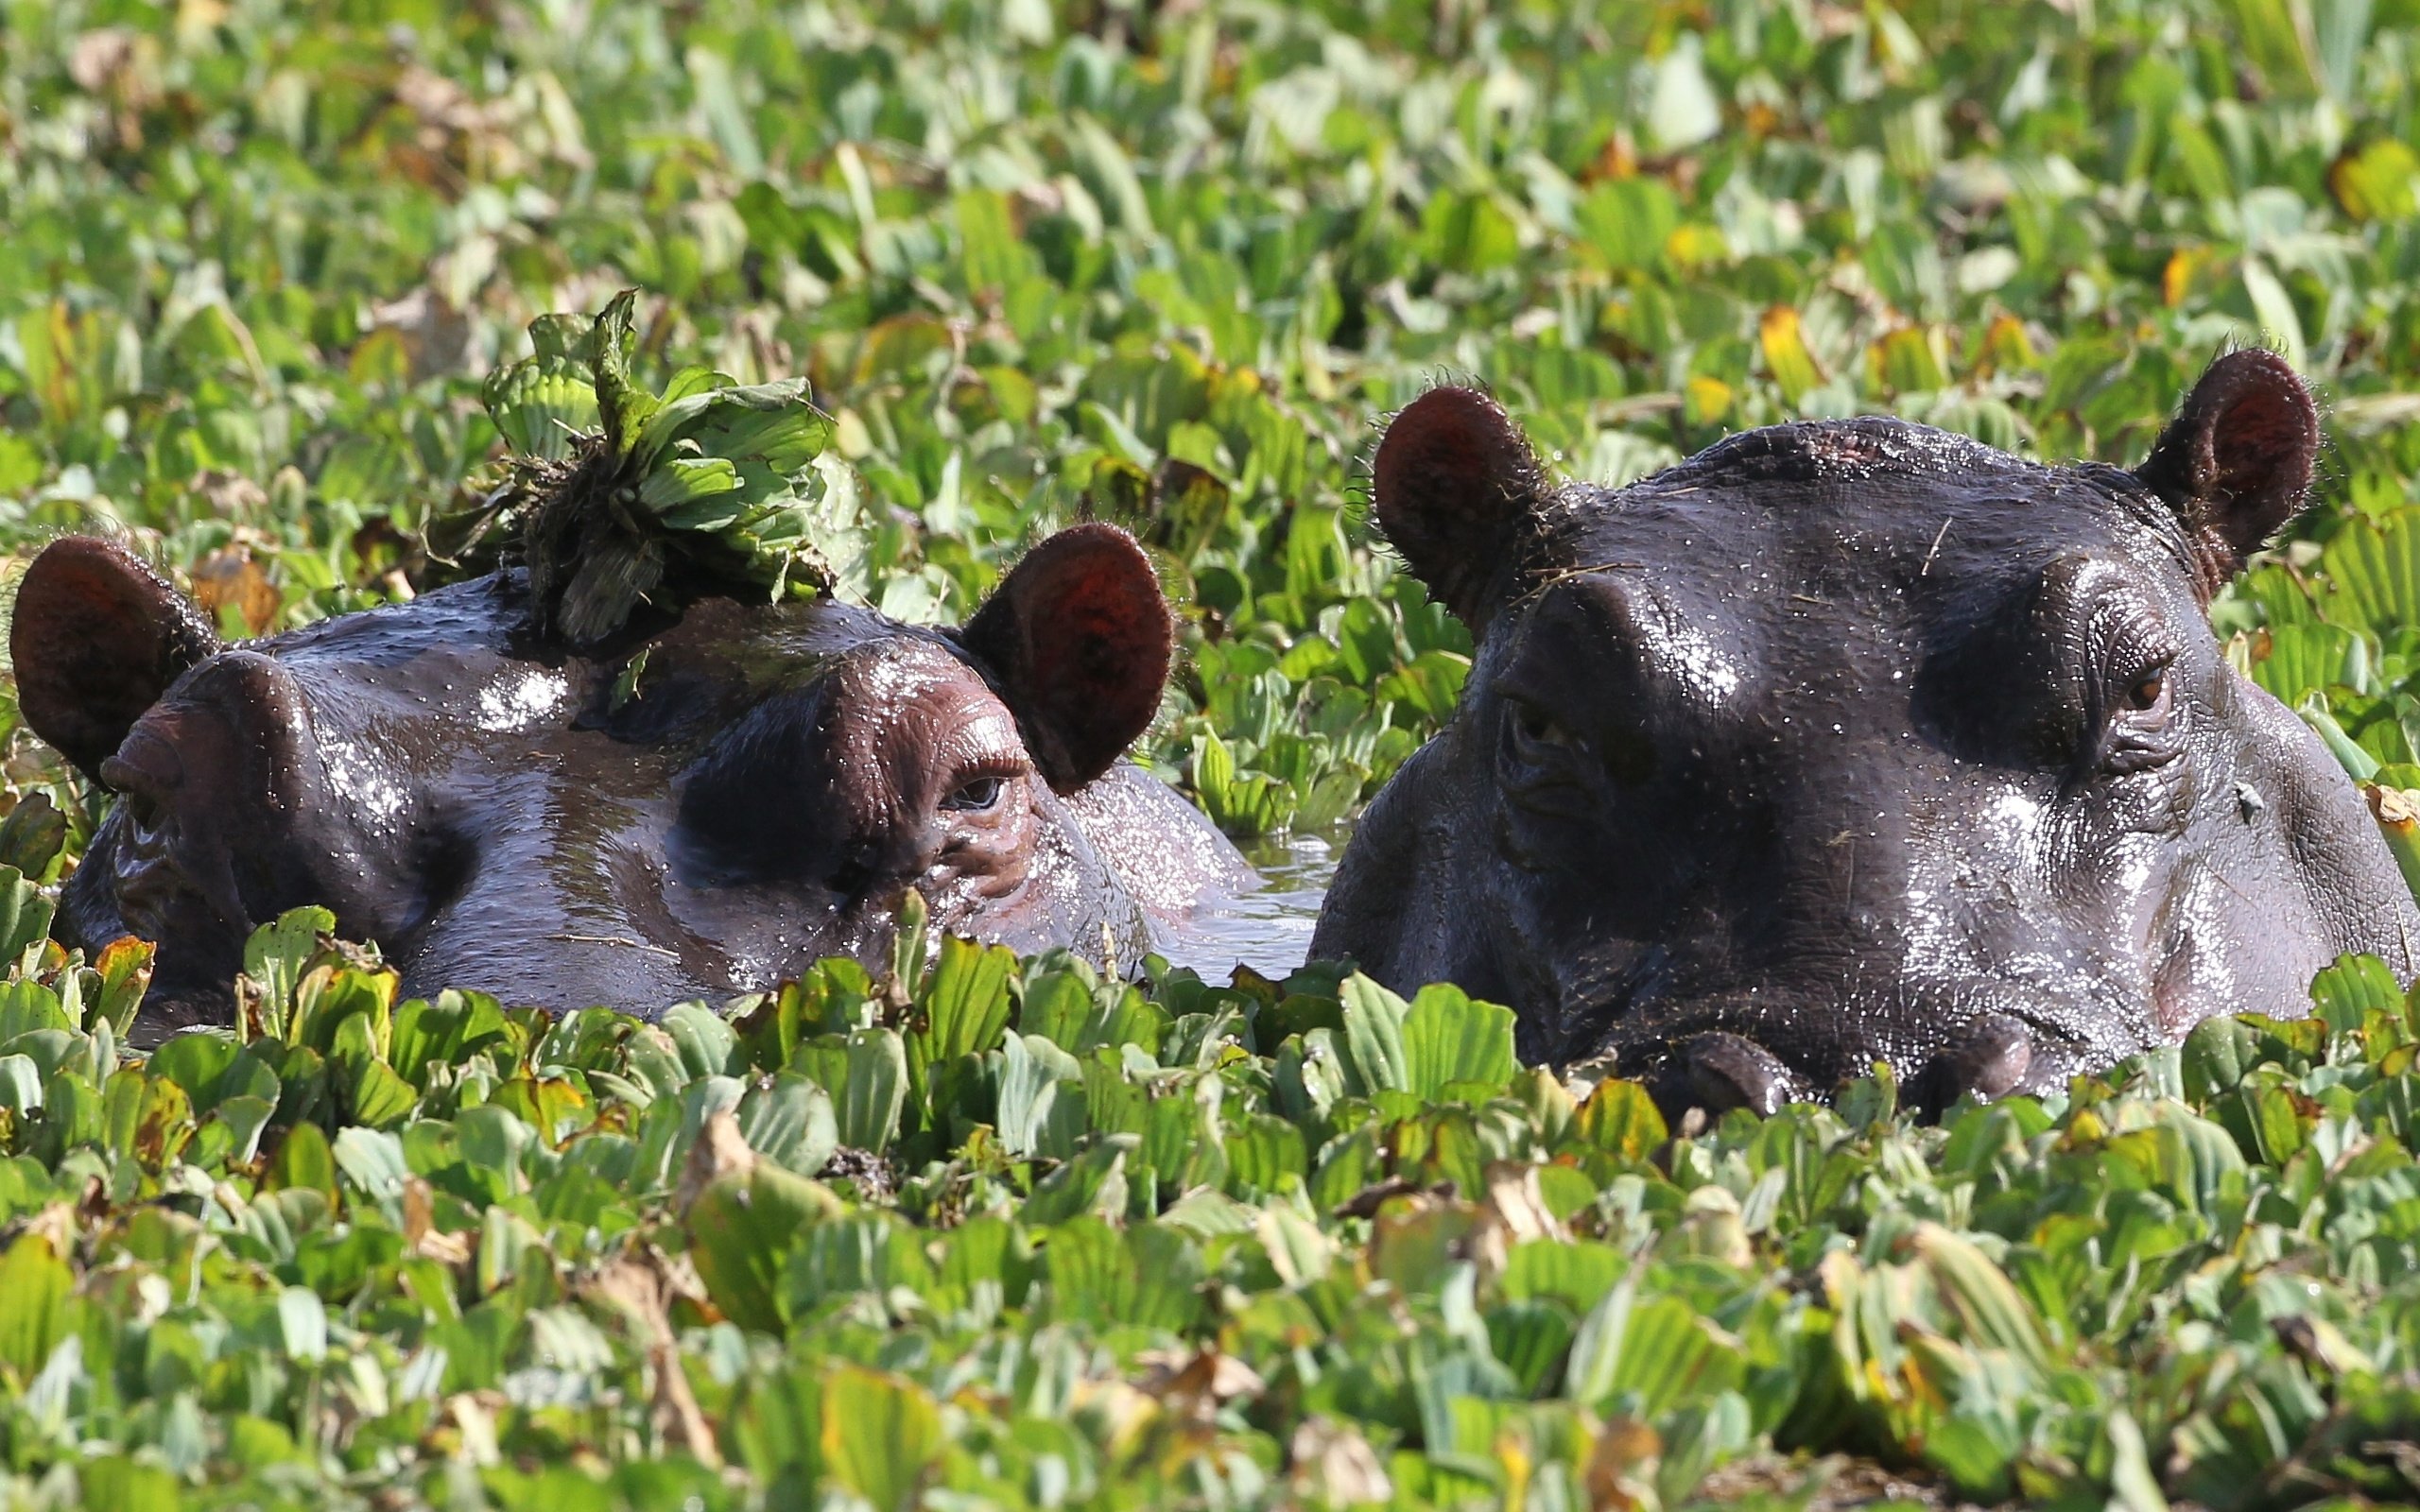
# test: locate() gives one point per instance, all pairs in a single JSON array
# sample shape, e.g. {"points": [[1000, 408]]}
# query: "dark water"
{"points": [[1269, 930]]}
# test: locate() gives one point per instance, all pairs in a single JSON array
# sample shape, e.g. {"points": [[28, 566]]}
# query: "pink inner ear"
{"points": [[1089, 637], [1452, 481], [1448, 443], [95, 639], [1101, 656], [2262, 439], [1080, 639]]}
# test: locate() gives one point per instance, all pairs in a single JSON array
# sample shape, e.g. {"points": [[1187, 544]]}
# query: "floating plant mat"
{"points": [[615, 496]]}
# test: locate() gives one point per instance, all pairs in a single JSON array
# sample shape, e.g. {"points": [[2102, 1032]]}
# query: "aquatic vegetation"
{"points": [[981, 1229], [998, 1229]]}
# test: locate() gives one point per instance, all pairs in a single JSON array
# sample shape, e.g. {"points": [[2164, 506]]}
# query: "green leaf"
{"points": [[25, 914], [543, 403], [34, 1309], [1682, 109], [2354, 988], [742, 1228], [967, 1004], [2374, 565], [1626, 222], [881, 1437], [20, 1084], [1978, 1292], [791, 1119], [304, 1161], [1041, 1098], [866, 1074], [705, 1040], [31, 836], [125, 1484], [2293, 661], [1448, 1039], [275, 957], [2360, 764], [2379, 181], [1374, 1043]]}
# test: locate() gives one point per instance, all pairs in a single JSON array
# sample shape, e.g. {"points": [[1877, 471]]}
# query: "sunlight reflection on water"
{"points": [[1269, 930]]}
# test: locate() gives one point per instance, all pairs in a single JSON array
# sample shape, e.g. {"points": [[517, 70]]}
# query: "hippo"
{"points": [[1856, 742], [702, 806]]}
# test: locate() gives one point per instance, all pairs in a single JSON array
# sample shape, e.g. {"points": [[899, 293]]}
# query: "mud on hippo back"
{"points": [[704, 807], [1856, 741]]}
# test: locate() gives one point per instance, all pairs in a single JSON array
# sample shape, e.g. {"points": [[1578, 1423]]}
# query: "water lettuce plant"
{"points": [[979, 1230], [983, 1231], [620, 496]]}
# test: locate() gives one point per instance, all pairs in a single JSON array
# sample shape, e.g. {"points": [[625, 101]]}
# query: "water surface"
{"points": [[1269, 930]]}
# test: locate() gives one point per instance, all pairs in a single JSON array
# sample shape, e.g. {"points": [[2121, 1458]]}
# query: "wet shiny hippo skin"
{"points": [[704, 808], [1856, 741]]}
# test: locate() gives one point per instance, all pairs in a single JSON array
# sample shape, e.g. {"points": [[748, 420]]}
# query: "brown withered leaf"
{"points": [[1332, 1465], [448, 1249], [1621, 1466], [1196, 1384], [232, 578], [639, 1287], [720, 1150], [1515, 1201]]}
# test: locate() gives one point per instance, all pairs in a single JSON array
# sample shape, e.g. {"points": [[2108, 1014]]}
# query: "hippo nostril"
{"points": [[1989, 1060], [1718, 1072]]}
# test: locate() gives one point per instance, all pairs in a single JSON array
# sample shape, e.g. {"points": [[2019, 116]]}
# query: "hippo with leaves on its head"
{"points": [[1856, 741], [702, 805]]}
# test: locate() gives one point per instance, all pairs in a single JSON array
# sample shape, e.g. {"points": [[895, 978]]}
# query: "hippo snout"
{"points": [[1762, 1057]]}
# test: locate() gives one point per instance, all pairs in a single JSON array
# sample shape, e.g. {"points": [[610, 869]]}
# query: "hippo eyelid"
{"points": [[1534, 724], [976, 794], [2140, 732], [1528, 723], [2137, 672]]}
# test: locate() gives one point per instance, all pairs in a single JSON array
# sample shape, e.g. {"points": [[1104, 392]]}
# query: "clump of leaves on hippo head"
{"points": [[615, 496]]}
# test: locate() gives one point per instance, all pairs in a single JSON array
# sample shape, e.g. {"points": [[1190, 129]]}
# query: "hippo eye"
{"points": [[1537, 749], [2146, 689], [977, 796], [1532, 726], [2142, 732]]}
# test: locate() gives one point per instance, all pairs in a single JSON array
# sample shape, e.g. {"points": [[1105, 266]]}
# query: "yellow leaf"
{"points": [[2006, 345], [2379, 181], [1708, 400], [1786, 355], [2176, 278], [1695, 244]]}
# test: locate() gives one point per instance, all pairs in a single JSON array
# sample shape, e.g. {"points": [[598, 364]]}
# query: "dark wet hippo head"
{"points": [[704, 808], [1858, 741]]}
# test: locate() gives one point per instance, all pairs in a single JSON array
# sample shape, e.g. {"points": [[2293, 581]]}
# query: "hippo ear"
{"points": [[1454, 487], [2235, 463], [1076, 638], [95, 639]]}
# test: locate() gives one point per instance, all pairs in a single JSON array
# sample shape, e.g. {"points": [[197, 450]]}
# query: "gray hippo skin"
{"points": [[563, 830], [1857, 741]]}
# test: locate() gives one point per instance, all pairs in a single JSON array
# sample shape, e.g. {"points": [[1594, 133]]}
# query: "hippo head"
{"points": [[1856, 741], [704, 808]]}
